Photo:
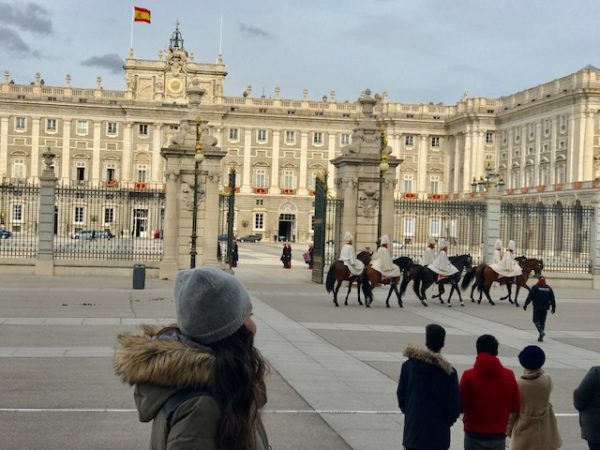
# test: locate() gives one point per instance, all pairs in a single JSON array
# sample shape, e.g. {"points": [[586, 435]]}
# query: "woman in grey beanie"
{"points": [[200, 381]]}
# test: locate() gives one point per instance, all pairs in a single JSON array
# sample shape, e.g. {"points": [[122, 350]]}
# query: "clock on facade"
{"points": [[175, 86]]}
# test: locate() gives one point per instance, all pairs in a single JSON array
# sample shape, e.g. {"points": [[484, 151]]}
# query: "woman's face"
{"points": [[250, 324]]}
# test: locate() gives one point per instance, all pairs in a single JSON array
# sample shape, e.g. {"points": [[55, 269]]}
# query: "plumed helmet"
{"points": [[443, 243], [385, 239], [498, 244], [511, 245], [348, 237], [431, 241]]}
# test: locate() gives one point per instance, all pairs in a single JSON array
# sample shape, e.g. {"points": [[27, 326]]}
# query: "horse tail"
{"points": [[330, 280], [366, 284], [417, 282], [468, 278], [480, 282]]}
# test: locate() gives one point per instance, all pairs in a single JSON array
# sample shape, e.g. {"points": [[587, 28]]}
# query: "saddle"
{"points": [[441, 278]]}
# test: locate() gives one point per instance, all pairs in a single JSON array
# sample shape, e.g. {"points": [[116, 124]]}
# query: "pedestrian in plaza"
{"points": [[534, 427], [541, 296], [286, 256], [587, 401], [429, 254], [201, 381], [308, 255], [234, 253], [428, 394], [489, 395]]}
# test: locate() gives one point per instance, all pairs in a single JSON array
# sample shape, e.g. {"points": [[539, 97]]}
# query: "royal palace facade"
{"points": [[545, 135]]}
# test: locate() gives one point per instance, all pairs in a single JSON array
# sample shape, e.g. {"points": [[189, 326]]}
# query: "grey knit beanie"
{"points": [[210, 304]]}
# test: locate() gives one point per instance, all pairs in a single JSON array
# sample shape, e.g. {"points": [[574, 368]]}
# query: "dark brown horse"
{"points": [[339, 272], [475, 273], [486, 276], [372, 279]]}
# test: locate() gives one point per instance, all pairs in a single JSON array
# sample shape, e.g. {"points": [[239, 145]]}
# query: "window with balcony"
{"points": [[142, 173], [18, 169], [260, 176], [288, 179], [111, 172], [408, 183], [80, 172], [434, 184]]}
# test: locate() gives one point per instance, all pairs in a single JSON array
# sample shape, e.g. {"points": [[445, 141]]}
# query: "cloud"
{"points": [[255, 32], [28, 17], [13, 43], [110, 61]]}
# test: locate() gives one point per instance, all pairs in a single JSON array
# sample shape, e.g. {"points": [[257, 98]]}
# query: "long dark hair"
{"points": [[239, 388]]}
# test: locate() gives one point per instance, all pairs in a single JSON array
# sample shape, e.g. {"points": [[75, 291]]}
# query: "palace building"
{"points": [[545, 135]]}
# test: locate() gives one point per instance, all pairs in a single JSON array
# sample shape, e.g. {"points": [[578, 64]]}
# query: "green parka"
{"points": [[159, 368]]}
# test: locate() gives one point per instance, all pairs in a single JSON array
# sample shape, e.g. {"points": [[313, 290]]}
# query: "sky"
{"points": [[419, 51]]}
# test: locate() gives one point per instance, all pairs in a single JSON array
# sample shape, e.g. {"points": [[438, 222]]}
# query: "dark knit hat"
{"points": [[210, 304], [532, 357]]}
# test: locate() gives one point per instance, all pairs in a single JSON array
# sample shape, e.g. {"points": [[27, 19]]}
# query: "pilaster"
{"points": [[422, 166], [491, 223], [96, 154], [595, 243], [156, 143], [4, 171], [66, 151], [303, 163], [44, 264], [127, 152], [246, 188], [35, 148], [274, 189]]}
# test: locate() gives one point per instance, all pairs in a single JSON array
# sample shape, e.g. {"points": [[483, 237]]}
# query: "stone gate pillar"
{"points": [[491, 223], [44, 264], [595, 243], [179, 172], [357, 181]]}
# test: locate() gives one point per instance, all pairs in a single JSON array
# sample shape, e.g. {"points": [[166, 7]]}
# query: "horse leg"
{"points": [[509, 288], [348, 293], [441, 290], [335, 292], [517, 294], [473, 290], [387, 300], [507, 296], [455, 286], [358, 288], [400, 304], [486, 290]]}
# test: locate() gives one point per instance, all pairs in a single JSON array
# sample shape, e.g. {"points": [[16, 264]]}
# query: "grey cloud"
{"points": [[110, 61], [250, 31], [29, 17], [13, 43]]}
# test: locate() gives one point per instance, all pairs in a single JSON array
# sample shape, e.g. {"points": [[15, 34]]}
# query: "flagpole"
{"points": [[132, 17]]}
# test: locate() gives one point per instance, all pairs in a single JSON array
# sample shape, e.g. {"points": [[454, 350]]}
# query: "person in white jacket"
{"points": [[382, 261], [441, 264], [508, 267], [429, 254], [348, 256]]}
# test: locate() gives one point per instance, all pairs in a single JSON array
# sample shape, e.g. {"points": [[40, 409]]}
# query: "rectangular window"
{"points": [[79, 214], [17, 213], [259, 221], [290, 137], [260, 202], [143, 129], [409, 141], [110, 173], [142, 170], [563, 123], [317, 138], [82, 127], [51, 125], [435, 142], [261, 135], [408, 179], [233, 134], [434, 184], [435, 228], [409, 227], [504, 137], [531, 129], [111, 128], [518, 134], [288, 179], [261, 178], [80, 173], [547, 125], [489, 137], [109, 216], [18, 168], [20, 123], [344, 139]]}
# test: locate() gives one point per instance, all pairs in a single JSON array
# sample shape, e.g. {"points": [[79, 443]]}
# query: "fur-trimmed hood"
{"points": [[170, 360], [429, 357]]}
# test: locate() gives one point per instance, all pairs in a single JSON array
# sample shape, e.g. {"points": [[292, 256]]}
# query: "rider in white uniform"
{"points": [[497, 257], [382, 261], [441, 264], [508, 267], [429, 254], [348, 256]]}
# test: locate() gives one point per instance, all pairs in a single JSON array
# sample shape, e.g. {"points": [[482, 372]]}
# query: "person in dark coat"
{"points": [[286, 256], [587, 401], [428, 394], [542, 297], [235, 257]]}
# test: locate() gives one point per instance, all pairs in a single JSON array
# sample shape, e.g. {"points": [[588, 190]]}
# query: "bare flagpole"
{"points": [[132, 17]]}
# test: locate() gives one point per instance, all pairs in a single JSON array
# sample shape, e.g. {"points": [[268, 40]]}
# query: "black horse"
{"points": [[425, 277], [339, 272], [372, 278]]}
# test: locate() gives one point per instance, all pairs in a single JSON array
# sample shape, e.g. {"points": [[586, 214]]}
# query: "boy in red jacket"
{"points": [[489, 395]]}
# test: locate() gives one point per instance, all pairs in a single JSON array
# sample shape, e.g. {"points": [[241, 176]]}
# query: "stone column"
{"points": [[210, 179], [595, 243], [458, 186], [274, 189], [303, 163], [553, 144], [422, 166], [44, 264], [35, 147], [168, 264], [246, 178], [4, 170], [127, 153], [156, 143], [587, 152], [66, 152], [467, 167], [491, 223], [330, 167], [96, 155]]}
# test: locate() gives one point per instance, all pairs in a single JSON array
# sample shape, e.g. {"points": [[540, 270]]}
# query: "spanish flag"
{"points": [[141, 14]]}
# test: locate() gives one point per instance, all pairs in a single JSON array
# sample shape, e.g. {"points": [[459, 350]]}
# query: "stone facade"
{"points": [[544, 136]]}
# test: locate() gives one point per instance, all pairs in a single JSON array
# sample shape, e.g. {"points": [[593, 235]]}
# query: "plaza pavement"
{"points": [[334, 370]]}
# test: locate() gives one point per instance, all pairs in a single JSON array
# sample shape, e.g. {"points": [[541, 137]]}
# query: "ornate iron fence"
{"points": [[333, 230], [416, 221], [19, 207], [558, 234], [109, 223]]}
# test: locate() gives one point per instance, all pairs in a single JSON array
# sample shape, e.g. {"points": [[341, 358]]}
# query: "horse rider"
{"points": [[348, 256], [441, 264], [382, 261], [429, 254], [497, 257], [508, 267]]}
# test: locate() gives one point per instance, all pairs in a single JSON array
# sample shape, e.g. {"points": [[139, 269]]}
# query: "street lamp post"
{"points": [[383, 167], [491, 180], [198, 158], [230, 215]]}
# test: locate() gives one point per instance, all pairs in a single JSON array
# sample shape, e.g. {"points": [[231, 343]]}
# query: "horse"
{"points": [[339, 272], [488, 276], [425, 277], [373, 278], [409, 275], [475, 273]]}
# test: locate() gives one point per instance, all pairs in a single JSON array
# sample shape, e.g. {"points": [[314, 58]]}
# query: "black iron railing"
{"points": [[19, 209]]}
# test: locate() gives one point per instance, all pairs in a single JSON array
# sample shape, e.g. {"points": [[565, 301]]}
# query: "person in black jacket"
{"points": [[428, 394], [542, 297]]}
